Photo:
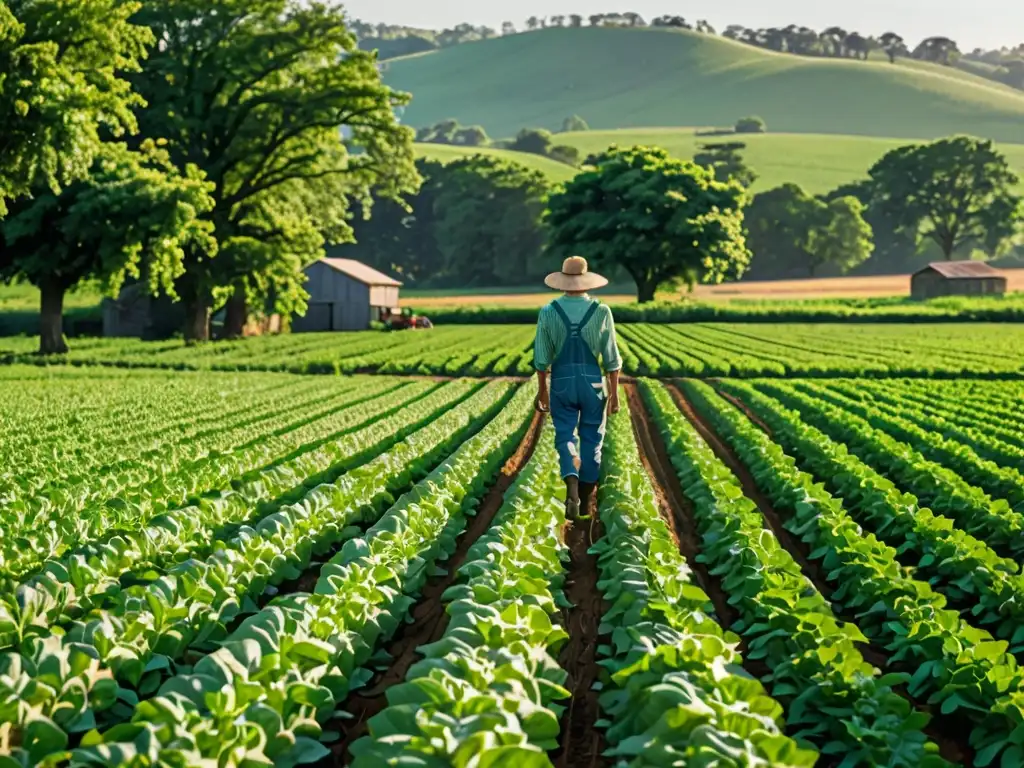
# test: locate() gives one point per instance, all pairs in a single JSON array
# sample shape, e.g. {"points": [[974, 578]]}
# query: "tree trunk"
{"points": [[197, 319], [51, 318], [236, 314], [645, 290]]}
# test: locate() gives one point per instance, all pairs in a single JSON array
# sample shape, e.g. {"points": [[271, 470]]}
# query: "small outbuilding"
{"points": [[345, 295], [957, 278]]}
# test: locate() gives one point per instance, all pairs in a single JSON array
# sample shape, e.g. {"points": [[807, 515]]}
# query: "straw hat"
{"points": [[575, 276]]}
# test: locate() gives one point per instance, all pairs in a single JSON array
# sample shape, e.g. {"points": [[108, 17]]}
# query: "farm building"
{"points": [[957, 278], [345, 295]]}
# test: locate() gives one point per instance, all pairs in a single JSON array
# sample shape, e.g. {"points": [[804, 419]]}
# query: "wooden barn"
{"points": [[345, 295], [957, 278]]}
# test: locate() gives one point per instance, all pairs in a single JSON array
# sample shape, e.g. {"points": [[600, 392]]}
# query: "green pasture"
{"points": [[624, 78]]}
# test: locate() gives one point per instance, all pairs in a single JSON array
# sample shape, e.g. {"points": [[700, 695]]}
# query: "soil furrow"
{"points": [[428, 619], [676, 508], [582, 742]]}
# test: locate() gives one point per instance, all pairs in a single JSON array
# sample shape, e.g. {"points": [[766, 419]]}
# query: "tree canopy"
{"points": [[661, 219], [62, 81], [132, 216], [291, 122], [792, 231], [475, 221], [727, 162], [958, 192]]}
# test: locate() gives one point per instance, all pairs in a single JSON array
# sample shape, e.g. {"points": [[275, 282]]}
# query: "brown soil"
{"points": [[429, 620], [582, 742], [676, 508]]}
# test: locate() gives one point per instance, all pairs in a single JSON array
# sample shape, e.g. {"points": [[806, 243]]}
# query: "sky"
{"points": [[972, 23]]}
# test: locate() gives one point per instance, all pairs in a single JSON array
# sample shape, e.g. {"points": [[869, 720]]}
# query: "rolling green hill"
{"points": [[818, 162], [446, 154], [622, 78]]}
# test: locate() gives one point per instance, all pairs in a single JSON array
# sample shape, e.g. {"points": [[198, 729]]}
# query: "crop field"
{"points": [[698, 350], [252, 568]]}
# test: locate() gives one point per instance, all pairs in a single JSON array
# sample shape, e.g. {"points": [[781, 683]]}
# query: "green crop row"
{"points": [[941, 488], [92, 576], [96, 672], [815, 664], [940, 431], [486, 693], [956, 667], [699, 350], [677, 693], [94, 506]]}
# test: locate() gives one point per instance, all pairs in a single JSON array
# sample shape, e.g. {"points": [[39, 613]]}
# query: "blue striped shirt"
{"points": [[599, 333]]}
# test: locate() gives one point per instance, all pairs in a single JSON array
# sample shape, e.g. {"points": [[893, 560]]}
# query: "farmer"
{"points": [[576, 341]]}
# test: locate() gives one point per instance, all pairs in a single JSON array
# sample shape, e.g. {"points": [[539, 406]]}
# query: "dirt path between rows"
{"points": [[582, 743], [429, 620], [677, 510]]}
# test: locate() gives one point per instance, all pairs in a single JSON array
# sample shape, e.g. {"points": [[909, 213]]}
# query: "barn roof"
{"points": [[360, 272], [962, 269]]}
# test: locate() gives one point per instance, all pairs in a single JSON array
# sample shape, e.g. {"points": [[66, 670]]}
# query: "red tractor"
{"points": [[404, 319]]}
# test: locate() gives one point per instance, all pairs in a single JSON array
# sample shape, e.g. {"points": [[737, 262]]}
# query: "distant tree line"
{"points": [[474, 222], [534, 141], [391, 40], [487, 221], [1005, 65]]}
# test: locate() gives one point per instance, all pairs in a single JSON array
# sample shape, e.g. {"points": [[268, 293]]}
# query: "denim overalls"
{"points": [[578, 398]]}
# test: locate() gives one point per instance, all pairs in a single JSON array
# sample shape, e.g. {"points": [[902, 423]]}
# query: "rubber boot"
{"points": [[587, 492], [572, 498]]}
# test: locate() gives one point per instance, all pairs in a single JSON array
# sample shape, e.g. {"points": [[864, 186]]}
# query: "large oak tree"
{"points": [[62, 68], [291, 122], [958, 192], [132, 216], [661, 219]]}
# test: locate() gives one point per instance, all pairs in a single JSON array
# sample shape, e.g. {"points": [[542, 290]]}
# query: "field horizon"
{"points": [[881, 286]]}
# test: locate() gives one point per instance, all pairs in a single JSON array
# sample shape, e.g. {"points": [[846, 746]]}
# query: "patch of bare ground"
{"points": [[582, 743], [428, 620], [951, 734]]}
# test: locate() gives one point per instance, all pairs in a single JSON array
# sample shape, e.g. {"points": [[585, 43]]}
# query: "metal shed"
{"points": [[345, 295], [957, 278]]}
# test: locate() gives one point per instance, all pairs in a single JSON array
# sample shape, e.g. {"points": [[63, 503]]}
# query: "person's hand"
{"points": [[543, 402], [613, 402]]}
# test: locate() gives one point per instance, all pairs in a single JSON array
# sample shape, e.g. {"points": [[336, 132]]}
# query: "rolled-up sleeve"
{"points": [[609, 345], [542, 347]]}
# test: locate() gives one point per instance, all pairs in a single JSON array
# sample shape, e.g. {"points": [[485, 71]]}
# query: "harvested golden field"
{"points": [[824, 288]]}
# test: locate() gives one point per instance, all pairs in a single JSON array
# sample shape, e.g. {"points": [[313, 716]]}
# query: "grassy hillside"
{"points": [[552, 169], [817, 162], [620, 78]]}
